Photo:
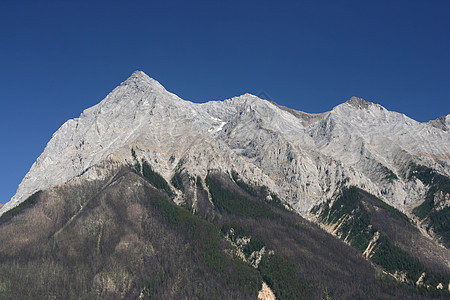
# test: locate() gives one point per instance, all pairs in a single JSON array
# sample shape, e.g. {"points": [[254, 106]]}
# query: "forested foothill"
{"points": [[124, 237]]}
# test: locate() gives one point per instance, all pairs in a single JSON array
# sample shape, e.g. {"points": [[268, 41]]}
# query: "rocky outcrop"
{"points": [[266, 293], [441, 123]]}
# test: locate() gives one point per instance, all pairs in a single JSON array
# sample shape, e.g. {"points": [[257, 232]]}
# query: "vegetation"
{"points": [[176, 181], [28, 202], [316, 209], [234, 203], [242, 184], [392, 259], [435, 181], [233, 231], [344, 205], [136, 166], [355, 226], [130, 239], [358, 230], [256, 191], [154, 178], [388, 174], [208, 237], [428, 176], [276, 202], [424, 209], [438, 220], [355, 220], [392, 210], [133, 154], [279, 274], [255, 244], [283, 278]]}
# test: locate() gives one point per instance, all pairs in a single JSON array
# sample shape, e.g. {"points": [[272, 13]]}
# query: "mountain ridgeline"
{"points": [[148, 196]]}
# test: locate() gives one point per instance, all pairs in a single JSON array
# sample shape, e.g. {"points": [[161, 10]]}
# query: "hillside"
{"points": [[122, 238]]}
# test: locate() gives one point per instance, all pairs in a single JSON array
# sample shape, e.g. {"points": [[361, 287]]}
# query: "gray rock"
{"points": [[441, 123], [303, 158]]}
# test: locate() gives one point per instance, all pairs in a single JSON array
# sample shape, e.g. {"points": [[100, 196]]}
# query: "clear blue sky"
{"points": [[60, 57]]}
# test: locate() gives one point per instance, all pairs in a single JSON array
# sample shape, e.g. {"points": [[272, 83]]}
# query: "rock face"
{"points": [[302, 158], [441, 123]]}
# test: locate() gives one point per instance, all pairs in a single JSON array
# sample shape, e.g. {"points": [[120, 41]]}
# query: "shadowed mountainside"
{"points": [[122, 238]]}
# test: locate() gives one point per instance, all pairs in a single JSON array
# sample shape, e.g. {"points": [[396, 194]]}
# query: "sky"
{"points": [[58, 58]]}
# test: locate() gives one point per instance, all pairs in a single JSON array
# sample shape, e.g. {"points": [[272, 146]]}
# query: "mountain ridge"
{"points": [[140, 102]]}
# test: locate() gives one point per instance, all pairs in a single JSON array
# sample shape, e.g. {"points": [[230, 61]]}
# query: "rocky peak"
{"points": [[359, 103], [245, 100], [137, 95], [359, 112], [141, 80]]}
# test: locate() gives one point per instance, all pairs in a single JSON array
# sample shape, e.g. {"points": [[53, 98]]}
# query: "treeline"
{"points": [[235, 203], [28, 202], [437, 219], [354, 219], [355, 226]]}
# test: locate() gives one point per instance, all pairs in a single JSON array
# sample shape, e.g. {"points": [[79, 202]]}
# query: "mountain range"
{"points": [[145, 192]]}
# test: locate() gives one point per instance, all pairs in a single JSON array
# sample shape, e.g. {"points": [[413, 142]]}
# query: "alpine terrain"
{"points": [[149, 196]]}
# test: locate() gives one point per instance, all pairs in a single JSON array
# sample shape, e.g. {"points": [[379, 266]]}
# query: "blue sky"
{"points": [[59, 57]]}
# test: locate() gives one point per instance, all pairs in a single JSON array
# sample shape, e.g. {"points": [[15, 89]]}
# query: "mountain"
{"points": [[298, 155], [247, 174]]}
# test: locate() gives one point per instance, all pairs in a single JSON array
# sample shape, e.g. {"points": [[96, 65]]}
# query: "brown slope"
{"points": [[107, 239], [116, 246]]}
